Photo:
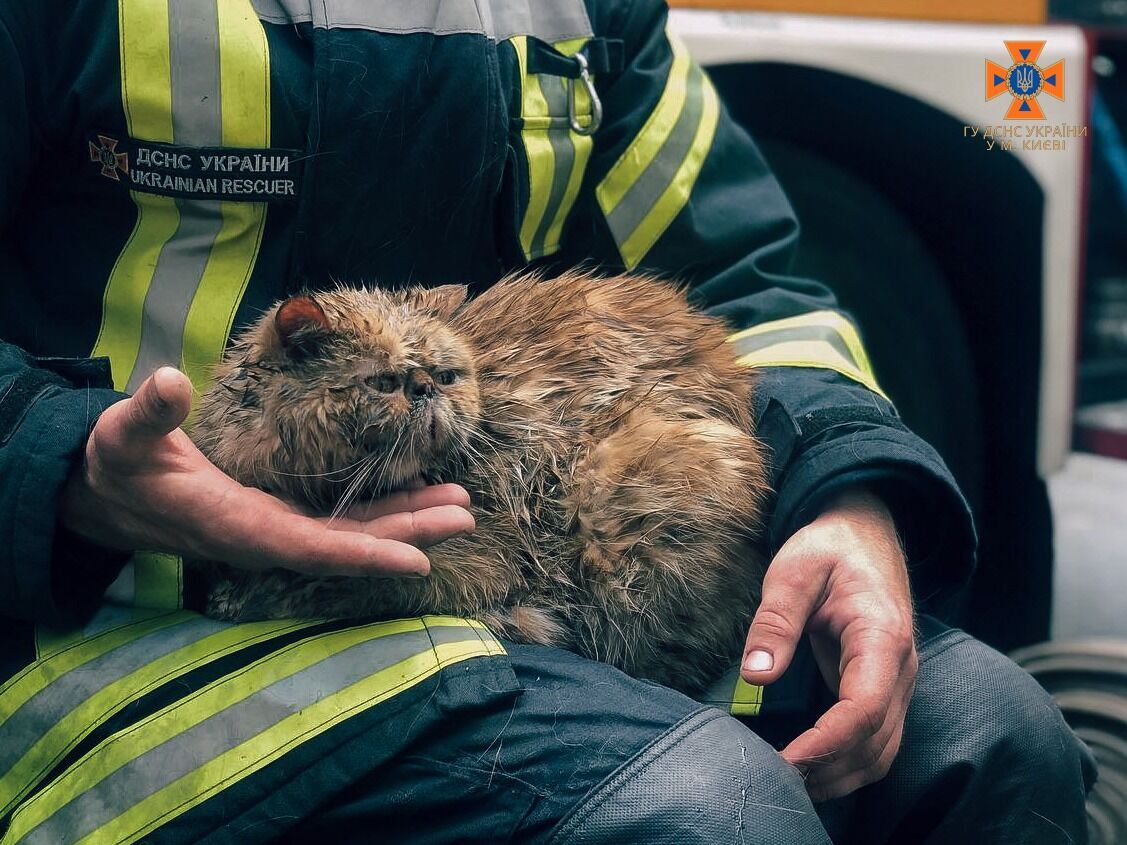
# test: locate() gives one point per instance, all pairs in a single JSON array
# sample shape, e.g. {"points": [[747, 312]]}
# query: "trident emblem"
{"points": [[1024, 80]]}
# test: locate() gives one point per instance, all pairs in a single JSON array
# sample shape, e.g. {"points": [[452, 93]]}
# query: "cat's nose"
{"points": [[419, 385]]}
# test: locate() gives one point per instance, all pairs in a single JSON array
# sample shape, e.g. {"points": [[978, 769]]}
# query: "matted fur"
{"points": [[601, 426]]}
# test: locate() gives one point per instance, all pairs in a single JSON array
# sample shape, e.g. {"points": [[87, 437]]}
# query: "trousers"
{"points": [[585, 754]]}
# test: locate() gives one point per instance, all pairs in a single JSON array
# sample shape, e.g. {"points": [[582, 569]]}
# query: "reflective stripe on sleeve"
{"points": [[557, 156], [822, 339], [150, 772], [652, 180], [47, 709]]}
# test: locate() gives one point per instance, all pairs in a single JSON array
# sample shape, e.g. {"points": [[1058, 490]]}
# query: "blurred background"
{"points": [[985, 259]]}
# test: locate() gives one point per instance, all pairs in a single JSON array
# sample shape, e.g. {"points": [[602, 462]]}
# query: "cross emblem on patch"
{"points": [[1024, 80], [106, 155]]}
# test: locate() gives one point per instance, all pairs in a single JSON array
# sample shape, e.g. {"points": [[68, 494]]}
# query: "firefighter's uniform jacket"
{"points": [[171, 167]]}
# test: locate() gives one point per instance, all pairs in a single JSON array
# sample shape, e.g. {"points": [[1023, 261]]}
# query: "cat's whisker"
{"points": [[351, 493], [326, 474]]}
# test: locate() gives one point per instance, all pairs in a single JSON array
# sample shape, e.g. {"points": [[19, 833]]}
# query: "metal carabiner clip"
{"points": [[596, 104]]}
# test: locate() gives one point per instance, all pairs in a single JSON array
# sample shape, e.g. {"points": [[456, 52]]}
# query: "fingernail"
{"points": [[759, 661]]}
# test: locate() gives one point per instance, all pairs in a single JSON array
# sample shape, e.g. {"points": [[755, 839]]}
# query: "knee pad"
{"points": [[707, 779]]}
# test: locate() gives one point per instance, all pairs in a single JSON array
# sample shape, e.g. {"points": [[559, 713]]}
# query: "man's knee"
{"points": [[984, 745], [977, 706], [708, 779]]}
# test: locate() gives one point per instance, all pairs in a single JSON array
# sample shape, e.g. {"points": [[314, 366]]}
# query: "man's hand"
{"points": [[144, 485], [842, 580]]}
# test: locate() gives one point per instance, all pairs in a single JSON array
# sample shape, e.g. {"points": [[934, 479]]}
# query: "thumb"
{"points": [[161, 403], [788, 602]]}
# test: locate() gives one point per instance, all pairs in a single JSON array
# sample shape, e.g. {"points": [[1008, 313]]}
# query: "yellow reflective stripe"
{"points": [[119, 338], [71, 654], [746, 699], [652, 180], [244, 112], [50, 641], [245, 101], [817, 354], [271, 744], [247, 756], [669, 205], [557, 156], [94, 711], [653, 135], [582, 145], [489, 644], [158, 581], [146, 94], [215, 243], [823, 319], [538, 147], [813, 350], [732, 693]]}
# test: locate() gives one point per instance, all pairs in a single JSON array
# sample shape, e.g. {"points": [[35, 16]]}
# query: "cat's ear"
{"points": [[441, 301], [301, 324]]}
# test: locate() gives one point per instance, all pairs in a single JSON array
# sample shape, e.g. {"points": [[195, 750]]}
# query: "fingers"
{"points": [[846, 776], [855, 742], [161, 404], [132, 435], [420, 528], [408, 501], [867, 764], [259, 532], [790, 594], [425, 527]]}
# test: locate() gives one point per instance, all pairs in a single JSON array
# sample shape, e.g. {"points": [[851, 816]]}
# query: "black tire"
{"points": [[869, 255], [1088, 680]]}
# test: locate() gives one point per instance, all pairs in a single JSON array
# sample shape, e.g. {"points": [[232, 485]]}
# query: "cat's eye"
{"points": [[386, 383], [445, 377]]}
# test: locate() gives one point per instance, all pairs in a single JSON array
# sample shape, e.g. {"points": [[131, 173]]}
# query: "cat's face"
{"points": [[357, 392]]}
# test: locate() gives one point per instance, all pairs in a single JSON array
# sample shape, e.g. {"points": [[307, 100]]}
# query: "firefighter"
{"points": [[170, 168]]}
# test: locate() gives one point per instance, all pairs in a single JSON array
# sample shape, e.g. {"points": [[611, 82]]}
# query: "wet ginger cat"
{"points": [[601, 426]]}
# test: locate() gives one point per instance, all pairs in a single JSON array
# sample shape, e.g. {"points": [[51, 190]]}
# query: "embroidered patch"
{"points": [[206, 173]]}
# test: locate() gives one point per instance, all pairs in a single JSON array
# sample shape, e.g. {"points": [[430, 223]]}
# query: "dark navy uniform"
{"points": [[172, 167]]}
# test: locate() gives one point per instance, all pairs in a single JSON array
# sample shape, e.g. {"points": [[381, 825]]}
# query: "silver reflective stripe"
{"points": [[554, 89], [640, 199], [193, 54], [196, 121], [187, 751], [108, 615], [826, 334], [548, 20], [50, 705]]}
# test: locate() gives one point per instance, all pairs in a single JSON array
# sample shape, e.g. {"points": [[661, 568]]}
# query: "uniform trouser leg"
{"points": [[583, 754], [986, 758], [587, 755]]}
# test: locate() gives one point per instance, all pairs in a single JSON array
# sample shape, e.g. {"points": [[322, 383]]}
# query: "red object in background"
{"points": [[1102, 441]]}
